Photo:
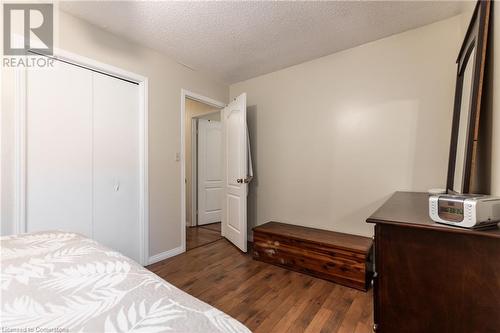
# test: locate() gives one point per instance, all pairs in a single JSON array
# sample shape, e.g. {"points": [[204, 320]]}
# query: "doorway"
{"points": [[228, 176], [203, 177]]}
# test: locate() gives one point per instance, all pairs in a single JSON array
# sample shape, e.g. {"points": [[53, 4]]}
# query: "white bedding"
{"points": [[64, 282]]}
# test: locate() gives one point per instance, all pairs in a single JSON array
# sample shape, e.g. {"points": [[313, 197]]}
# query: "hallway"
{"points": [[202, 235]]}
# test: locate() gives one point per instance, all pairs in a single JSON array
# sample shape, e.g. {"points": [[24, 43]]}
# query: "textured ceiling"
{"points": [[235, 41]]}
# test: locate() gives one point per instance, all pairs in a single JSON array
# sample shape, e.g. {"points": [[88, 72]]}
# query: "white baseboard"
{"points": [[165, 255]]}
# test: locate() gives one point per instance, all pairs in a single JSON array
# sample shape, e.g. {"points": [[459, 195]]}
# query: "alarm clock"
{"points": [[466, 211]]}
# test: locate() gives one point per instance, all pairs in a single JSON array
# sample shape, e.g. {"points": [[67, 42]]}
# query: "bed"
{"points": [[64, 282]]}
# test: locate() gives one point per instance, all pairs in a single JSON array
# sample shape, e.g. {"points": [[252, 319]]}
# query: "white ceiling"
{"points": [[235, 41]]}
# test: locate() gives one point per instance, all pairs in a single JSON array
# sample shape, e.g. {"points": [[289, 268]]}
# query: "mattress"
{"points": [[64, 282]]}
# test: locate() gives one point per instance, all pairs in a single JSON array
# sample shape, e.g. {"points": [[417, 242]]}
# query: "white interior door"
{"points": [[116, 164], [234, 209], [59, 150], [210, 171]]}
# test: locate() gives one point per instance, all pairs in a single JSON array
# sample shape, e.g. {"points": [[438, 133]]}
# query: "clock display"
{"points": [[451, 210]]}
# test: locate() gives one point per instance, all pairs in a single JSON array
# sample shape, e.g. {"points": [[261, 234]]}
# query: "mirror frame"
{"points": [[476, 36]]}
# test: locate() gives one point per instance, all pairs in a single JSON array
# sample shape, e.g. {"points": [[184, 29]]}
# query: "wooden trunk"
{"points": [[329, 255]]}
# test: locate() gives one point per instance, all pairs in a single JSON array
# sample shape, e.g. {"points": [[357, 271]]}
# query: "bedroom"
{"points": [[346, 103]]}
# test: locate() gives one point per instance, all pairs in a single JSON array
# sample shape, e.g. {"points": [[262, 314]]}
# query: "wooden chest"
{"points": [[338, 257]]}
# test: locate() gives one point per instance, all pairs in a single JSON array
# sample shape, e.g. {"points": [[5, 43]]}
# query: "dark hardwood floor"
{"points": [[212, 226], [202, 235], [264, 297]]}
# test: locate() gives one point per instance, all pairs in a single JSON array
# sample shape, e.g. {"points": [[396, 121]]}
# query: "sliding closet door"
{"points": [[116, 164], [58, 149]]}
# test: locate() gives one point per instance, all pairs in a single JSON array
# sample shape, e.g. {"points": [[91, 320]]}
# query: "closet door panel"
{"points": [[58, 149], [116, 164]]}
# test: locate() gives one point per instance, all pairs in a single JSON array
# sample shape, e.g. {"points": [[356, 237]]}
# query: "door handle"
{"points": [[246, 180]]}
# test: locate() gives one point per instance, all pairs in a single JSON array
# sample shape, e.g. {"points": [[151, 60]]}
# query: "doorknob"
{"points": [[246, 180]]}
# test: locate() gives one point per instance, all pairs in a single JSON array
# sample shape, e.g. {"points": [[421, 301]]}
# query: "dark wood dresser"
{"points": [[431, 277]]}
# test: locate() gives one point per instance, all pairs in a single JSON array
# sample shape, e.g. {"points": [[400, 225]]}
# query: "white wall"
{"points": [[166, 79], [334, 137]]}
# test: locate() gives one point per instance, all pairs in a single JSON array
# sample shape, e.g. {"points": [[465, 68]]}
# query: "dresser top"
{"points": [[412, 209]]}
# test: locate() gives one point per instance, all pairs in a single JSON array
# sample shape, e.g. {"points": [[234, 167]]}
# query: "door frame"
{"points": [[194, 171], [195, 158], [19, 222], [194, 161], [205, 100]]}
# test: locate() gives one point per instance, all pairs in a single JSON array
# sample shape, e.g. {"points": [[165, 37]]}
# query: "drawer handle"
{"points": [[270, 252]]}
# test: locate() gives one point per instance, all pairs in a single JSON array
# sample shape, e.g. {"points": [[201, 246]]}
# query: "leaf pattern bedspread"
{"points": [[64, 282]]}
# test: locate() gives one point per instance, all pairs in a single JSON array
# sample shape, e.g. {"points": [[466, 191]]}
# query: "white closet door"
{"points": [[116, 164], [58, 149]]}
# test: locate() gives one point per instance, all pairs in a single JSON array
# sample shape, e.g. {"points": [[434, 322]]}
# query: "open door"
{"points": [[210, 175], [235, 149]]}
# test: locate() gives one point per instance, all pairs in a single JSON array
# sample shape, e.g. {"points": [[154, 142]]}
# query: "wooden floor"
{"points": [[202, 235], [266, 298], [212, 226]]}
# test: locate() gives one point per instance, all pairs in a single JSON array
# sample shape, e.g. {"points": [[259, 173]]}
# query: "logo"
{"points": [[28, 35], [28, 29]]}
